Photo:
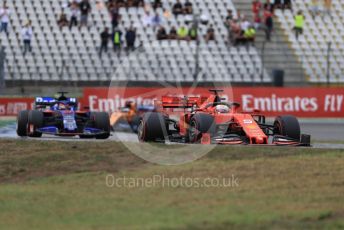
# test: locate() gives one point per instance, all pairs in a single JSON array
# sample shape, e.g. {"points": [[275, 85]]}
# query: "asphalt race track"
{"points": [[324, 133]]}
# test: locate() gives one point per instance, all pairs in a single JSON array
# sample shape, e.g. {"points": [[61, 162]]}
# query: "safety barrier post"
{"points": [[263, 61], [329, 44], [2, 68]]}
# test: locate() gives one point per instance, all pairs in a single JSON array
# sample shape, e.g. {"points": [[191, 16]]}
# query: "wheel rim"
{"points": [[278, 128], [31, 129], [17, 126], [140, 132], [193, 132]]}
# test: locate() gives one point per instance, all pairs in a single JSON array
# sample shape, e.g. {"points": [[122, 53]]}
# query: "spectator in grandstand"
{"points": [[240, 16], [4, 16], [166, 14], [74, 8], [134, 3], [99, 5], [129, 3], [121, 3], [229, 17], [85, 9], [110, 3], [269, 24], [104, 37], [235, 26], [314, 8], [173, 33], [118, 3], [269, 6], [177, 8], [327, 7], [157, 4], [210, 35], [156, 20], [299, 21], [188, 7], [62, 20], [147, 7], [161, 34], [183, 33], [282, 4], [250, 35], [256, 7], [204, 18], [188, 18], [147, 19], [27, 37], [257, 21], [235, 30], [193, 32], [287, 4], [115, 17], [138, 3], [117, 41], [277, 3], [130, 38], [246, 37], [245, 24], [228, 22]]}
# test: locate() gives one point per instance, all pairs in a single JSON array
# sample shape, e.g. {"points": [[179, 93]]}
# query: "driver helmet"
{"points": [[63, 106], [222, 109]]}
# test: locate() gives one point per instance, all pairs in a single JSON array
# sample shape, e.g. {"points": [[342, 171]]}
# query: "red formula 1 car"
{"points": [[213, 121]]}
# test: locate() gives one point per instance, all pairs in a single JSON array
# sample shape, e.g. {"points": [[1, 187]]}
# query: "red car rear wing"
{"points": [[169, 102]]}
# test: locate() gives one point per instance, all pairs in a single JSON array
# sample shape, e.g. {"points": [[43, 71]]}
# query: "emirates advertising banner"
{"points": [[271, 101], [301, 102], [12, 106]]}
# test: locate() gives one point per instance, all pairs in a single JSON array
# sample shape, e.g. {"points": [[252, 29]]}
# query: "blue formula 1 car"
{"points": [[61, 117]]}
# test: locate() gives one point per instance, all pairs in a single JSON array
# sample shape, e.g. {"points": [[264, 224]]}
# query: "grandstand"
{"points": [[312, 48], [72, 56]]}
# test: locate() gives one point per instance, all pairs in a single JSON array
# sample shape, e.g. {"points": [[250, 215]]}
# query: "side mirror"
{"points": [[236, 105]]}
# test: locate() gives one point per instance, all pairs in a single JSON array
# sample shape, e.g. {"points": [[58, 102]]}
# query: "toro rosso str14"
{"points": [[61, 117], [213, 121]]}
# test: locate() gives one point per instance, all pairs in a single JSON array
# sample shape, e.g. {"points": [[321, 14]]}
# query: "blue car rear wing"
{"points": [[45, 101], [50, 101]]}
